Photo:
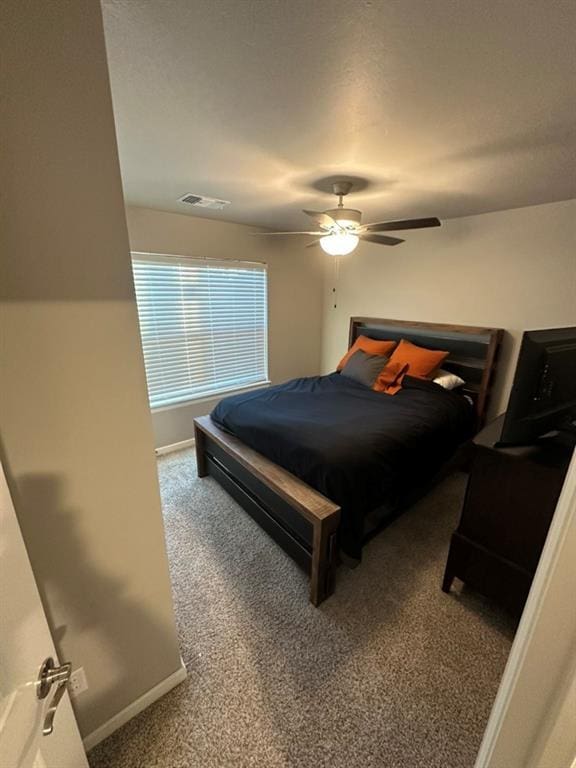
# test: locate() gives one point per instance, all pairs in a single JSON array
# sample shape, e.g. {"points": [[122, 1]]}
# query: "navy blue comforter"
{"points": [[360, 448]]}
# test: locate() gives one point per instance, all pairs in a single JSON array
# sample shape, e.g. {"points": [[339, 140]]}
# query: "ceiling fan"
{"points": [[340, 228]]}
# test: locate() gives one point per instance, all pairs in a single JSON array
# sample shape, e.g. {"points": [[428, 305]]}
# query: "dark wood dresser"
{"points": [[509, 504]]}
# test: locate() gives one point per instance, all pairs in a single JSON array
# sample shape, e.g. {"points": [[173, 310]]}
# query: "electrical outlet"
{"points": [[78, 683]]}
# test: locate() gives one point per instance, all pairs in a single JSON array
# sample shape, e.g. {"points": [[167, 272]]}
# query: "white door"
{"points": [[25, 643]]}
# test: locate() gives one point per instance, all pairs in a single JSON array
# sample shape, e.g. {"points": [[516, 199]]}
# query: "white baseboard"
{"points": [[135, 708], [174, 447]]}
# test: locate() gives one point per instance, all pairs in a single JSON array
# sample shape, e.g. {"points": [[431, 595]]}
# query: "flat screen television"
{"points": [[543, 396]]}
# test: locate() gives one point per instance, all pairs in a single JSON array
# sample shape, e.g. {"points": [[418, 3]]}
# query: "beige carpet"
{"points": [[389, 673]]}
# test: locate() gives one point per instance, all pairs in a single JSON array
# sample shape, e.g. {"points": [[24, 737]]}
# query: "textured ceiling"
{"points": [[442, 107]]}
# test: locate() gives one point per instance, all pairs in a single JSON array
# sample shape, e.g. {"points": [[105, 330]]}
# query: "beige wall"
{"points": [[512, 269], [75, 428], [294, 299]]}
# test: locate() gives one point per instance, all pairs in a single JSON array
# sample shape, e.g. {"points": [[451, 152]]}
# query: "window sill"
{"points": [[208, 398]]}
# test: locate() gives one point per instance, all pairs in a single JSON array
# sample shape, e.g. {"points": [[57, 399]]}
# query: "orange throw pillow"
{"points": [[390, 378], [370, 346], [421, 362]]}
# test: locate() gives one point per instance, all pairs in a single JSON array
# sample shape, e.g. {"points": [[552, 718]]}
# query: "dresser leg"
{"points": [[447, 581], [449, 570]]}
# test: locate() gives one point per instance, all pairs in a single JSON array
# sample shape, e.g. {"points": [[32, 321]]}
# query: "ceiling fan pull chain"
{"points": [[336, 276]]}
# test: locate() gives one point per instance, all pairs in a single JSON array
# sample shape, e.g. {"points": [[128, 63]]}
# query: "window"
{"points": [[203, 323]]}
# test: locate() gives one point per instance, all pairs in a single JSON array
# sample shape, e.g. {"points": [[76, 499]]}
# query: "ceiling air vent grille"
{"points": [[200, 201]]}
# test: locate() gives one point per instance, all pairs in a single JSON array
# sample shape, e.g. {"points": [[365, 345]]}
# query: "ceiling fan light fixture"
{"points": [[340, 244]]}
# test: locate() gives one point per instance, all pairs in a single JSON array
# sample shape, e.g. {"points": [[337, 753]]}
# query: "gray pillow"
{"points": [[364, 368]]}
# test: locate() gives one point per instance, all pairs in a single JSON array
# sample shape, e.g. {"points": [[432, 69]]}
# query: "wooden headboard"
{"points": [[473, 351]]}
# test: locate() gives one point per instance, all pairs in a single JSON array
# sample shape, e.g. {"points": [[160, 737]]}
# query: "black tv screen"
{"points": [[543, 396]]}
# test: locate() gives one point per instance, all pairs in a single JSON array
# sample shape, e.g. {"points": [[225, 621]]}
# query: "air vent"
{"points": [[199, 201]]}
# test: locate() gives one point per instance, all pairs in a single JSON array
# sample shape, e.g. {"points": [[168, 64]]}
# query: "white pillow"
{"points": [[447, 380]]}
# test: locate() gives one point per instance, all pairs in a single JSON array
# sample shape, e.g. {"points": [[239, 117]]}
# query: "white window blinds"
{"points": [[204, 325]]}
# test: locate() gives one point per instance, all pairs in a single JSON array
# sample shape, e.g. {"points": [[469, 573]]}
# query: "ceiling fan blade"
{"points": [[288, 233], [322, 219], [389, 226], [313, 243], [381, 239]]}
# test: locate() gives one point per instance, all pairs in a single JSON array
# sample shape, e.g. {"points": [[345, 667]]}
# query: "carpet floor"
{"points": [[388, 673]]}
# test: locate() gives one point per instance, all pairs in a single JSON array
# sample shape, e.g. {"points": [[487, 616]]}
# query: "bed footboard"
{"points": [[297, 517]]}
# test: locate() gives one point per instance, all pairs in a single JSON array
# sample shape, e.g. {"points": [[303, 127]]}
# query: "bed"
{"points": [[322, 463]]}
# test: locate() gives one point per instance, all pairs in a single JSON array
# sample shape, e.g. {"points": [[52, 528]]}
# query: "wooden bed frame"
{"points": [[296, 516]]}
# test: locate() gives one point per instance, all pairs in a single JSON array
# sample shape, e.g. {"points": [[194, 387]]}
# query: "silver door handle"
{"points": [[51, 675]]}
